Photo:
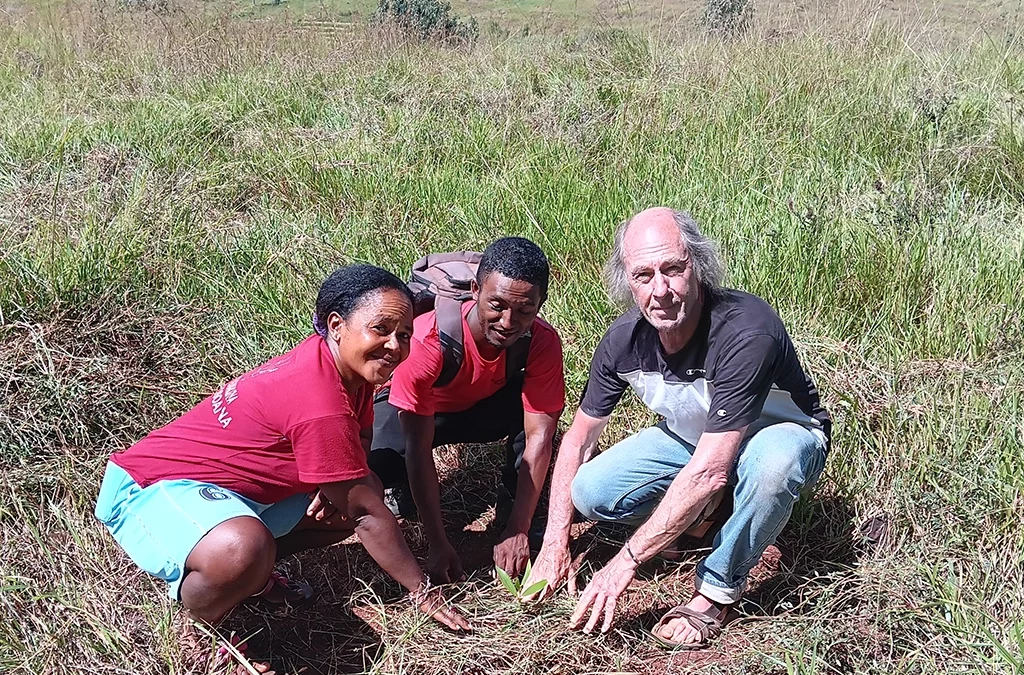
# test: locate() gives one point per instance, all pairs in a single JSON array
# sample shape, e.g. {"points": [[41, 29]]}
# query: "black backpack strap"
{"points": [[448, 313], [516, 357]]}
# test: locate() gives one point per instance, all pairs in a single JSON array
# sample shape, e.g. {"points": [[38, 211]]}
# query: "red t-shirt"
{"points": [[412, 386], [281, 429]]}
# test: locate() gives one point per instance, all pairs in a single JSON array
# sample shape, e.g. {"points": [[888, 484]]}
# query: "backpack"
{"points": [[443, 282]]}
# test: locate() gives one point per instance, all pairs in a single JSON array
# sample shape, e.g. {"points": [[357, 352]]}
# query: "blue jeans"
{"points": [[626, 482]]}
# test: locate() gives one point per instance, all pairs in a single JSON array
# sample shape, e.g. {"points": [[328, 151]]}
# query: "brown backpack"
{"points": [[442, 282]]}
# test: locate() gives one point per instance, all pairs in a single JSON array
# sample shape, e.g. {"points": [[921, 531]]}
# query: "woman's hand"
{"points": [[431, 601], [321, 509]]}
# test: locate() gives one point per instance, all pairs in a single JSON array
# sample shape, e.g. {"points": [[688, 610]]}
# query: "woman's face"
{"points": [[370, 344]]}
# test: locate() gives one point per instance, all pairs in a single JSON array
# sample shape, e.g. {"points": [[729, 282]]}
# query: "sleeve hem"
{"points": [[732, 425], [320, 478], [587, 410], [537, 411], [402, 404]]}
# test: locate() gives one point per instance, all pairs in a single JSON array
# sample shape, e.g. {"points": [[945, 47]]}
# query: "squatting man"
{"points": [[739, 412]]}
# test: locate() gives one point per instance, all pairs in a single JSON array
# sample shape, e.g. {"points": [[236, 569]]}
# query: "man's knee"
{"points": [[590, 493], [784, 467], [387, 466]]}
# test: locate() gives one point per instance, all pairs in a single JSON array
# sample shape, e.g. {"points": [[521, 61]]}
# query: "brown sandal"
{"points": [[707, 626]]}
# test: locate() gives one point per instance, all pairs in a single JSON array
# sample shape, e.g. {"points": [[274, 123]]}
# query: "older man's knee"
{"points": [[783, 478], [587, 494]]}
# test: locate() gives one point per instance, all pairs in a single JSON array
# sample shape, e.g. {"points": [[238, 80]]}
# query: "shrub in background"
{"points": [[427, 20], [728, 18], [156, 6]]}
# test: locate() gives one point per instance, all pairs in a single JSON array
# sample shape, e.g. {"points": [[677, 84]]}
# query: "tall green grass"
{"points": [[172, 191]]}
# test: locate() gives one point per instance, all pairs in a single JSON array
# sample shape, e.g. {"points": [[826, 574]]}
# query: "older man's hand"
{"points": [[553, 564], [602, 594]]}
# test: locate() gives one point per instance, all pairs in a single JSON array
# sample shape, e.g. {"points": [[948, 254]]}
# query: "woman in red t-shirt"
{"points": [[274, 462]]}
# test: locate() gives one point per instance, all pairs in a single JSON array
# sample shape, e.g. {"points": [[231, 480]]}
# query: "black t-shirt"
{"points": [[739, 369]]}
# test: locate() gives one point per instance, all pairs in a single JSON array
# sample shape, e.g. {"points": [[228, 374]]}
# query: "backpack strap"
{"points": [[448, 313]]}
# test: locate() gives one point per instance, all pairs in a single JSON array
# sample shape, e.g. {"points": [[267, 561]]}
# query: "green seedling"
{"points": [[515, 586]]}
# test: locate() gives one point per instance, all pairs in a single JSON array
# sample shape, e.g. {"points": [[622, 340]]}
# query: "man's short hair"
{"points": [[707, 265], [516, 258]]}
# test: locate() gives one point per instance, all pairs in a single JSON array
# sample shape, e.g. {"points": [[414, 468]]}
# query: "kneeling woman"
{"points": [[210, 501]]}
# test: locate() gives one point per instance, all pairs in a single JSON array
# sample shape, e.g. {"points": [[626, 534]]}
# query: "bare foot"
{"points": [[230, 658], [208, 652], [681, 631]]}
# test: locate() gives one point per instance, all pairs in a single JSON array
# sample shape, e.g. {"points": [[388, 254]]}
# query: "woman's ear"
{"points": [[335, 326]]}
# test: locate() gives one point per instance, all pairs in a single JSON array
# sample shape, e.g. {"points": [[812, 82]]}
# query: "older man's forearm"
{"points": [[683, 503], [688, 495], [579, 441]]}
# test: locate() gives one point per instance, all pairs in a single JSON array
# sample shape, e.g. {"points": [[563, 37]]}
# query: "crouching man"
{"points": [[507, 385], [739, 411]]}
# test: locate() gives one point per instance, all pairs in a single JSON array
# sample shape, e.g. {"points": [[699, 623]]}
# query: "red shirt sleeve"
{"points": [[412, 386], [364, 407], [544, 385], [328, 449]]}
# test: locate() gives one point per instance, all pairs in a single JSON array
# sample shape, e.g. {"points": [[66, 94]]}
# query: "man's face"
{"points": [[505, 308], [660, 273]]}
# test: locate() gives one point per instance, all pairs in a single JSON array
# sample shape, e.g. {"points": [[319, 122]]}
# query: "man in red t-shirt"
{"points": [[485, 401]]}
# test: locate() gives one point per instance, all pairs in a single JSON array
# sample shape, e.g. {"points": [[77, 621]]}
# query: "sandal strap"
{"points": [[271, 582], [706, 626], [276, 579], [301, 591]]}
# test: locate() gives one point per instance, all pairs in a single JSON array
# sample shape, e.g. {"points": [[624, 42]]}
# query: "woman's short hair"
{"points": [[346, 289]]}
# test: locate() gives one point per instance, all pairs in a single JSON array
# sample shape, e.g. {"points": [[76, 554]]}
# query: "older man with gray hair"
{"points": [[739, 412]]}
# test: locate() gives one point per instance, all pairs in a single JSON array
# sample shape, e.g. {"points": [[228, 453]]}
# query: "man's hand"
{"points": [[512, 552], [602, 593], [443, 564], [322, 509], [553, 565], [432, 603]]}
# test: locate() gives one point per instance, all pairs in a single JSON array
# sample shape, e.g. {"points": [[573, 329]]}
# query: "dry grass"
{"points": [[173, 186]]}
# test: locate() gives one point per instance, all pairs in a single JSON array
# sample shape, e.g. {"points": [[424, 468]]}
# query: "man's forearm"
{"points": [[579, 441], [560, 508], [422, 472], [683, 503], [530, 482], [701, 479]]}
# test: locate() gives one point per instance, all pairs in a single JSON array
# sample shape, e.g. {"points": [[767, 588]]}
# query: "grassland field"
{"points": [[175, 184]]}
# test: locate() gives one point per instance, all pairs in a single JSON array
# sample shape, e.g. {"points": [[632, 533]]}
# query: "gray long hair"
{"points": [[707, 265]]}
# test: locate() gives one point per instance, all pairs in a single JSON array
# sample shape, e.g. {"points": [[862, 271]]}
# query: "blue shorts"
{"points": [[158, 526]]}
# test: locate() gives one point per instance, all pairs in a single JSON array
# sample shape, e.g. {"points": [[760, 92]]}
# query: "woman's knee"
{"points": [[238, 550]]}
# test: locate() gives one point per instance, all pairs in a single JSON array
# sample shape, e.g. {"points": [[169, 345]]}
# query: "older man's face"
{"points": [[660, 273]]}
